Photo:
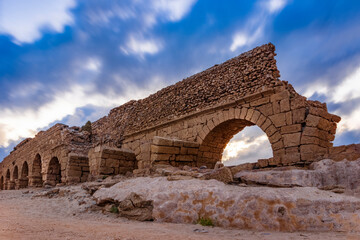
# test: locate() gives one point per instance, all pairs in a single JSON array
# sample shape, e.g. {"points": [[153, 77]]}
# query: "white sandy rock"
{"points": [[258, 208], [323, 174]]}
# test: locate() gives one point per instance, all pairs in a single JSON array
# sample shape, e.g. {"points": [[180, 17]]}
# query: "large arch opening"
{"points": [[212, 147], [247, 146], [36, 175], [2, 182], [54, 172], [24, 180]]}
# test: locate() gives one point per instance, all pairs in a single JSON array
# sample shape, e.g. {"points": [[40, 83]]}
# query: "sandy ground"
{"points": [[23, 216]]}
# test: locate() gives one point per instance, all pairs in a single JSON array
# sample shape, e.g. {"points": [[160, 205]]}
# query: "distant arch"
{"points": [[8, 175], [36, 175], [24, 175], [54, 172], [8, 185], [16, 173]]}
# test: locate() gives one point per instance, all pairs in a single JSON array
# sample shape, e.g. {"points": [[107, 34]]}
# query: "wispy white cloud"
{"points": [[254, 27], [173, 10], [140, 46], [274, 6], [24, 19]]}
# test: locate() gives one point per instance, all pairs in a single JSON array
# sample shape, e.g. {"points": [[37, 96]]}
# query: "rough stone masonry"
{"points": [[188, 123]]}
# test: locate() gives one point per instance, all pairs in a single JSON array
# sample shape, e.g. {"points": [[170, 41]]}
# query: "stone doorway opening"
{"points": [[54, 172], [247, 146], [16, 177], [37, 180]]}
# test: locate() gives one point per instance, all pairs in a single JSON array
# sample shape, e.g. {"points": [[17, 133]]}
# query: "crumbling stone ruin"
{"points": [[188, 123]]}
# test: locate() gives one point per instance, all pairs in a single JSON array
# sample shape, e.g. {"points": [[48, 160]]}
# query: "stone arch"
{"points": [[15, 173], [24, 178], [9, 184], [2, 183], [15, 177], [8, 175], [36, 179], [220, 129], [53, 175]]}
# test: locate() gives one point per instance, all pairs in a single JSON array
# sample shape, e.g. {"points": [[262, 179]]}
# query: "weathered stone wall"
{"points": [[35, 155], [173, 152], [106, 160]]}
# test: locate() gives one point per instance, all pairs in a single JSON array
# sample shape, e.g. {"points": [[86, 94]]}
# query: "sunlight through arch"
{"points": [[247, 146]]}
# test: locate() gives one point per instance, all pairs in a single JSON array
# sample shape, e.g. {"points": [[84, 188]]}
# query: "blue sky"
{"points": [[71, 61]]}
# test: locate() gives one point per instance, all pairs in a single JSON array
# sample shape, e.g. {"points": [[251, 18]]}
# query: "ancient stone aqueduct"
{"points": [[188, 123]]}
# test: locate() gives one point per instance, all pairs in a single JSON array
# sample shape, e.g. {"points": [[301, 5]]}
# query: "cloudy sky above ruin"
{"points": [[71, 61]]}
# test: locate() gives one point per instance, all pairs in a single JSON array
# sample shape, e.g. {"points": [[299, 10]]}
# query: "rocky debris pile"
{"points": [[325, 174], [257, 208]]}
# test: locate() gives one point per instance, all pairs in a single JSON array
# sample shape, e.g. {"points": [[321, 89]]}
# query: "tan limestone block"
{"points": [[298, 115], [278, 119], [165, 149], [292, 139], [290, 128]]}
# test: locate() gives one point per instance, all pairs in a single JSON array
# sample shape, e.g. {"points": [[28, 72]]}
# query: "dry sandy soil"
{"points": [[23, 216]]}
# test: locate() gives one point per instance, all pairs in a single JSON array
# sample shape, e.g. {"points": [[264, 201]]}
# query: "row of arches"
{"points": [[36, 178]]}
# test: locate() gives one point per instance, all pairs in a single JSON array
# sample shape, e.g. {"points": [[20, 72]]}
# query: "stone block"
{"points": [[237, 113], [311, 131], [292, 139], [280, 96], [291, 128], [266, 124], [263, 163], [231, 113], [309, 140], [298, 102], [266, 109], [278, 119], [161, 141], [261, 120], [298, 115], [270, 130], [290, 158], [284, 105], [243, 113], [165, 149], [249, 114], [276, 107], [277, 145], [324, 124], [255, 116], [312, 121], [260, 101], [275, 138]]}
